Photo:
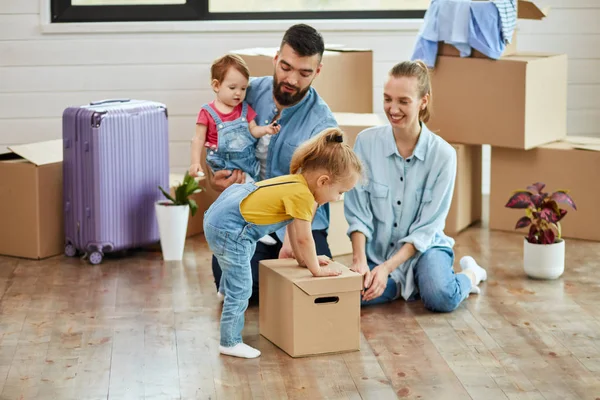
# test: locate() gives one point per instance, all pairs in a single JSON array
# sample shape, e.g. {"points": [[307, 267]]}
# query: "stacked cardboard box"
{"points": [[345, 81], [515, 104], [352, 124], [569, 164]]}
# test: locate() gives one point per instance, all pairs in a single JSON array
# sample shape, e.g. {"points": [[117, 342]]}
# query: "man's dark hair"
{"points": [[305, 40]]}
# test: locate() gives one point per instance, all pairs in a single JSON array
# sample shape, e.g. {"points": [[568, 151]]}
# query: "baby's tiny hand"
{"points": [[196, 170], [274, 128]]}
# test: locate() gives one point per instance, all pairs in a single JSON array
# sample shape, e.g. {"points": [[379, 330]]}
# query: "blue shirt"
{"points": [[464, 24], [401, 200], [298, 123]]}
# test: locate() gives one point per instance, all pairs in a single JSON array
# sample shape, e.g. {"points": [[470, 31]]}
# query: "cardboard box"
{"points": [[525, 10], [517, 102], [345, 82], [466, 200], [337, 237], [445, 49], [354, 123], [571, 164], [195, 223], [304, 315], [31, 200]]}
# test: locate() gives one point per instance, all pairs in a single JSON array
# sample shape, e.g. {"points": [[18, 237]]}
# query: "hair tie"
{"points": [[336, 138]]}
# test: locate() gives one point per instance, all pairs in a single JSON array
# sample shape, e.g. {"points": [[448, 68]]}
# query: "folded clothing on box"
{"points": [[481, 25]]}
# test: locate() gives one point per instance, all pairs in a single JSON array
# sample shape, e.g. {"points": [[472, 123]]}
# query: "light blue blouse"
{"points": [[401, 200]]}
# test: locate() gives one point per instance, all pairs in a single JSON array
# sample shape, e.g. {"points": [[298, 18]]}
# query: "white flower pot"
{"points": [[172, 227], [544, 261]]}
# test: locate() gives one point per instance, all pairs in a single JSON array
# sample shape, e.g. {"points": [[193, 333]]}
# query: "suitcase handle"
{"points": [[95, 103]]}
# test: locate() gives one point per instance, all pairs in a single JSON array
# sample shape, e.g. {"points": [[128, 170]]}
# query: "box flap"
{"points": [[272, 51], [348, 281], [583, 140], [40, 153], [575, 143], [528, 10], [257, 51], [357, 119]]}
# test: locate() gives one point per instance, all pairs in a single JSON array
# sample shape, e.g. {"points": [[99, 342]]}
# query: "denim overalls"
{"points": [[236, 145], [232, 240]]}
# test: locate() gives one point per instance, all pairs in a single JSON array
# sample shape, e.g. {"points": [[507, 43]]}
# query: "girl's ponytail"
{"points": [[327, 150]]}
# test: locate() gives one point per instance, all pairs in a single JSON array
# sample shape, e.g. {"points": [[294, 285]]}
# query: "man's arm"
{"points": [[221, 180]]}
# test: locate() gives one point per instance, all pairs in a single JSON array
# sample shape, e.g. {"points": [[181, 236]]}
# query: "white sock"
{"points": [[469, 263], [240, 350], [268, 240]]}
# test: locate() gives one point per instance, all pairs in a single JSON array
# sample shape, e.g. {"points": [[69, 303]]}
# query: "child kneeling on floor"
{"points": [[322, 169]]}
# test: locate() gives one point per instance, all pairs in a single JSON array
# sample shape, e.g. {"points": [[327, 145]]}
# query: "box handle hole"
{"points": [[327, 300]]}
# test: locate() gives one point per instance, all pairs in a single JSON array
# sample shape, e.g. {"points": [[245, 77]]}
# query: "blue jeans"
{"points": [[234, 259], [233, 242], [439, 287]]}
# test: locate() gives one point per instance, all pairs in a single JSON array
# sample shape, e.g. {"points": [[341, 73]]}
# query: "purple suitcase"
{"points": [[115, 155]]}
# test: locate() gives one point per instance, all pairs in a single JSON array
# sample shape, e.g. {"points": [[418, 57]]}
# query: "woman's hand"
{"points": [[361, 267], [376, 282]]}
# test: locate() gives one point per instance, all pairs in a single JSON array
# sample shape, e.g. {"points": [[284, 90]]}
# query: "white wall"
{"points": [[41, 73]]}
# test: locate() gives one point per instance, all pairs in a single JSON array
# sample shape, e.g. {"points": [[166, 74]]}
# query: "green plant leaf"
{"points": [[193, 206], [167, 195]]}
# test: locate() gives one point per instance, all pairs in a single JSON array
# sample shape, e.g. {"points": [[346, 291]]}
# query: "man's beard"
{"points": [[284, 98]]}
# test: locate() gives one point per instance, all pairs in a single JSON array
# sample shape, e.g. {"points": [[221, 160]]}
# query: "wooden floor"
{"points": [[138, 328]]}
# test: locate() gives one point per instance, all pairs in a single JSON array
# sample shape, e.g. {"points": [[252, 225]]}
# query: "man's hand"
{"points": [[221, 180]]}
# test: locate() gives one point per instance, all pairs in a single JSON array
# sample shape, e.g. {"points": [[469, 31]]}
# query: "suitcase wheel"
{"points": [[70, 250], [96, 258]]}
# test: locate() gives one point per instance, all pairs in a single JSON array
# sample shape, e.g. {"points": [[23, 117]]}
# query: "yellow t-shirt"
{"points": [[279, 199]]}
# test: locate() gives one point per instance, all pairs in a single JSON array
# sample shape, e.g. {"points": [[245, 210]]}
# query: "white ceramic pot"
{"points": [[544, 261], [172, 227]]}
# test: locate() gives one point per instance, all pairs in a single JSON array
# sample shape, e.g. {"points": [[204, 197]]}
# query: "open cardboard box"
{"points": [[525, 10], [519, 101], [31, 206], [570, 164], [345, 82], [304, 315]]}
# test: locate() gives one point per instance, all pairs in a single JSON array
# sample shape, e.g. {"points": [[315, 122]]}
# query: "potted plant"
{"points": [[173, 215], [544, 248]]}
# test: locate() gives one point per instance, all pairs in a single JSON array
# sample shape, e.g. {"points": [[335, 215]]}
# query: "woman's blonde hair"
{"points": [[327, 150], [419, 70]]}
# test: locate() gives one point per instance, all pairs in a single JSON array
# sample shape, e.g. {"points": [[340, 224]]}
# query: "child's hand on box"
{"points": [[324, 260], [327, 271]]}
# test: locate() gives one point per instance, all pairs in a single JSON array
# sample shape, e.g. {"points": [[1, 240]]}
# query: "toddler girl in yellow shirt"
{"points": [[322, 169]]}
